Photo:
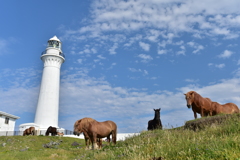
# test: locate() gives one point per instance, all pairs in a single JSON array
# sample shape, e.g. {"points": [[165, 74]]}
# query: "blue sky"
{"points": [[123, 57]]}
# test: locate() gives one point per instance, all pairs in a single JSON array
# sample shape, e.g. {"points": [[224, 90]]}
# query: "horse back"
{"points": [[230, 108], [102, 129]]}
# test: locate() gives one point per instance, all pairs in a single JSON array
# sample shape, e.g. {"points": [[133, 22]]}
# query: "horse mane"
{"points": [[83, 123]]}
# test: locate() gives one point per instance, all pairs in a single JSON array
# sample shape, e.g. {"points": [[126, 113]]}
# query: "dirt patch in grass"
{"points": [[202, 123]]}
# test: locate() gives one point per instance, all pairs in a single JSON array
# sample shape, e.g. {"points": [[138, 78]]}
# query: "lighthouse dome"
{"points": [[54, 42]]}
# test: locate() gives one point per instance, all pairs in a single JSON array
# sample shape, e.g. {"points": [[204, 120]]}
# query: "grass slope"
{"points": [[216, 142]]}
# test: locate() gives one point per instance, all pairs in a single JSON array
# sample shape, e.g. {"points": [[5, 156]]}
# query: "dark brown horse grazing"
{"points": [[198, 104], [52, 130], [156, 122], [228, 108], [100, 130], [29, 131], [78, 128]]}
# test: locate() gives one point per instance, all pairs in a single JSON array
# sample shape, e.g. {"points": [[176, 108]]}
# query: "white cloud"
{"points": [[225, 54], [135, 70], [144, 46], [81, 95], [80, 61], [3, 45], [196, 46], [162, 51], [192, 80], [133, 40], [158, 20], [145, 58], [153, 35], [222, 65], [101, 57], [113, 48], [145, 72]]}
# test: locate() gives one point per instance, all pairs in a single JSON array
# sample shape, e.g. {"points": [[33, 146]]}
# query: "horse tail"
{"points": [[114, 133], [114, 136]]}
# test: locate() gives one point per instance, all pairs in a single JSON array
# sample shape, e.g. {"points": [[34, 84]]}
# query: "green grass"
{"points": [[221, 142]]}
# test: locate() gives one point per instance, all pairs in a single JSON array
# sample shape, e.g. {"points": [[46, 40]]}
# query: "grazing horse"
{"points": [[79, 126], [100, 130], [198, 104], [29, 131], [156, 122], [52, 130], [228, 108], [60, 134]]}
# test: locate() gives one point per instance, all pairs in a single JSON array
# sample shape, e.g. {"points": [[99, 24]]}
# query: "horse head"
{"points": [[189, 98], [76, 130]]}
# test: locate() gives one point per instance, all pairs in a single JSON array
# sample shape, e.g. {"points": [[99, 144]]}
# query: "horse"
{"points": [[52, 130], [29, 131], [97, 130], [60, 134], [228, 108], [156, 122], [198, 104], [79, 126]]}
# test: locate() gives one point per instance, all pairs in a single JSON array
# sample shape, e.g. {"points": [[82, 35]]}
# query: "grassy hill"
{"points": [[218, 141]]}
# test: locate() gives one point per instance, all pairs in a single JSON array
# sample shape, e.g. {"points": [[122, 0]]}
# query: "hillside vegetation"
{"points": [[214, 141]]}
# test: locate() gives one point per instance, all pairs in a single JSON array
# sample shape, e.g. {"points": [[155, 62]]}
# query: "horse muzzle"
{"points": [[189, 106], [76, 133]]}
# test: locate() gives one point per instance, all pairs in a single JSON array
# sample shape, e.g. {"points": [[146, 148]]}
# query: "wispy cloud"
{"points": [[162, 51], [81, 94], [222, 65], [3, 45], [225, 54], [144, 46], [192, 80], [196, 46], [113, 48], [116, 21], [145, 58]]}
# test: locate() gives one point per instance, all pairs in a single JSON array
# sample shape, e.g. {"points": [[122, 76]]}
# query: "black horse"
{"points": [[156, 122], [52, 130]]}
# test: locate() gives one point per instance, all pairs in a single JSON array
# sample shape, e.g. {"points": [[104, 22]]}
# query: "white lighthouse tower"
{"points": [[48, 100]]}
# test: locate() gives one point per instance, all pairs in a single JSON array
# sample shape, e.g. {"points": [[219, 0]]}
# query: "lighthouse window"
{"points": [[54, 44], [6, 120]]}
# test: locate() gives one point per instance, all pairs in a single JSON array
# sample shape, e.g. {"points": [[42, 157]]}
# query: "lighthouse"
{"points": [[48, 100]]}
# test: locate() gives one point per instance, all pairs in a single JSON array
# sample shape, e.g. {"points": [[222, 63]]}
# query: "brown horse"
{"points": [[228, 108], [60, 134], [79, 126], [100, 130], [29, 131], [198, 104]]}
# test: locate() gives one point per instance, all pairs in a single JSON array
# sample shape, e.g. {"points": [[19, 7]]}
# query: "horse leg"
{"points": [[202, 114], [195, 114], [94, 141], [108, 139], [114, 137], [99, 142]]}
